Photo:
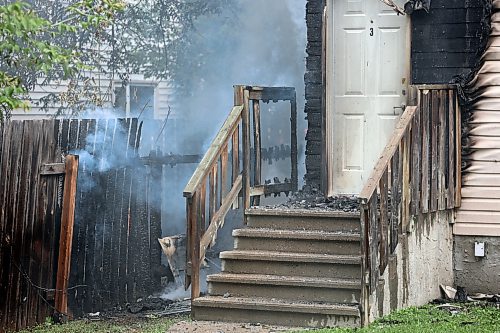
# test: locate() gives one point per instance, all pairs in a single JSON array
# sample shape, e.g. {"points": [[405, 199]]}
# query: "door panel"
{"points": [[367, 70]]}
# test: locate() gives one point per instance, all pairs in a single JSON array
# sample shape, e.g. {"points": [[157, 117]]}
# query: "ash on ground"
{"points": [[312, 199]]}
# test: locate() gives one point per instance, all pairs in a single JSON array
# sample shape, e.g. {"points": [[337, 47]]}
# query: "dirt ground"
{"points": [[217, 327]]}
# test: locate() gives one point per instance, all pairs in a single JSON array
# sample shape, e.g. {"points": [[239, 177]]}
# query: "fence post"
{"points": [[241, 97], [66, 235]]}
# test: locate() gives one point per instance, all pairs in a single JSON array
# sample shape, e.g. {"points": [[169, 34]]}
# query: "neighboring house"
{"points": [[149, 97], [426, 219]]}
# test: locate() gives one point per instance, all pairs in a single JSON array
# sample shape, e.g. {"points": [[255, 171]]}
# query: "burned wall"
{"points": [[445, 41], [314, 91]]}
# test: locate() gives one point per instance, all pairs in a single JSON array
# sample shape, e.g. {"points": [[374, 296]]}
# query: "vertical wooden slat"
{"points": [[405, 201], [257, 149], [293, 138], [195, 237], [451, 150], [235, 159], [458, 150], [66, 234], [425, 186], [434, 150], [384, 221], [373, 242], [441, 151], [224, 170], [416, 158], [213, 184]]}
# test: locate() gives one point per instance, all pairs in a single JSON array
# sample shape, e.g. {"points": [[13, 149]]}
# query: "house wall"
{"points": [[477, 274], [422, 261], [444, 44]]}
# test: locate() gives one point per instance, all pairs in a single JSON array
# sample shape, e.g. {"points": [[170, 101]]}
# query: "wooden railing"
{"points": [[417, 173], [220, 179]]}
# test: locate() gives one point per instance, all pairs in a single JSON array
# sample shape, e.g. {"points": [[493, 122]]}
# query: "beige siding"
{"points": [[479, 214]]}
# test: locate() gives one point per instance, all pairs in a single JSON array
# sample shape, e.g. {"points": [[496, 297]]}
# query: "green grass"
{"points": [[129, 325], [430, 319]]}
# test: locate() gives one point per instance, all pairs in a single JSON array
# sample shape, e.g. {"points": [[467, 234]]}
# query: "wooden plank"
{"points": [[66, 234], [53, 169], [23, 217], [373, 180], [213, 192], [425, 185], [373, 243], [436, 86], [155, 210], [405, 183], [223, 173], [395, 201], [214, 151], [293, 146], [235, 160], [458, 149], [434, 119], [384, 221], [442, 156], [194, 238], [257, 177], [450, 203], [246, 150], [416, 161]]}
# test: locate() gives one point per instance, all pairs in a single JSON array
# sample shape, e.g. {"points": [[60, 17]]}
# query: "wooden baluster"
{"points": [[442, 151], [450, 204], [223, 173], [416, 160], [373, 241], [257, 149], [193, 250], [384, 221], [405, 183], [213, 192], [434, 150], [458, 150], [293, 140], [424, 186], [236, 159], [246, 151]]}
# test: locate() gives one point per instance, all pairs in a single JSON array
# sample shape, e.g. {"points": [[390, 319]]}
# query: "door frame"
{"points": [[328, 58]]}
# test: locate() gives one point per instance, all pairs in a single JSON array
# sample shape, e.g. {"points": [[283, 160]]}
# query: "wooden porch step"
{"points": [[272, 311], [291, 257], [303, 241], [303, 219], [294, 288], [291, 263]]}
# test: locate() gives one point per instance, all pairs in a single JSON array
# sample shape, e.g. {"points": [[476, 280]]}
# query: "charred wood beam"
{"points": [[172, 159]]}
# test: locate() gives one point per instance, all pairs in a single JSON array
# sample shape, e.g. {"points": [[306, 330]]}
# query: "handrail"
{"points": [[383, 162], [419, 172], [214, 151]]}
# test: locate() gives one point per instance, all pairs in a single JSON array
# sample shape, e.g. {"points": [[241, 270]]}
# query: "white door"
{"points": [[367, 65]]}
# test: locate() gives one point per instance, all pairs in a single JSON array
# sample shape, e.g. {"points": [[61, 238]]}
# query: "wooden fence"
{"points": [[115, 251], [419, 172]]}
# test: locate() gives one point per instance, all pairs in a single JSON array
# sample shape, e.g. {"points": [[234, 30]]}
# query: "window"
{"points": [[135, 100]]}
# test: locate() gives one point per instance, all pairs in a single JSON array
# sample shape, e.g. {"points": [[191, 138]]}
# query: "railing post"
{"points": [[194, 246], [241, 97], [365, 270]]}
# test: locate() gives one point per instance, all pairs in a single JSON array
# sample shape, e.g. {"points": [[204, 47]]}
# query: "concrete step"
{"points": [[291, 264], [302, 219], [275, 312], [292, 288], [297, 241]]}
